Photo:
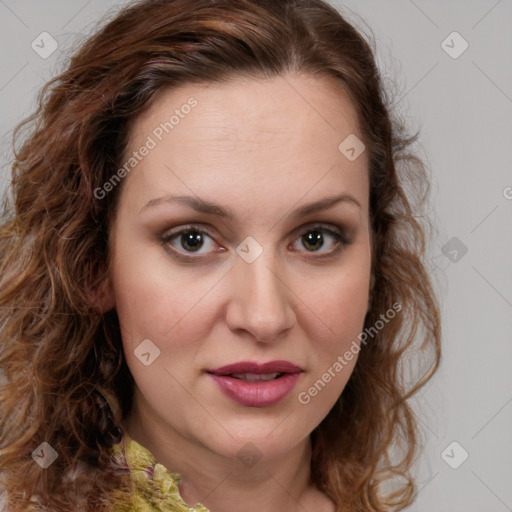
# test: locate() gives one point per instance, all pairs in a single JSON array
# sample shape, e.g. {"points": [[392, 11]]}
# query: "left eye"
{"points": [[315, 238], [192, 239]]}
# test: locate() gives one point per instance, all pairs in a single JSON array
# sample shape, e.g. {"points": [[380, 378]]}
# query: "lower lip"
{"points": [[256, 394]]}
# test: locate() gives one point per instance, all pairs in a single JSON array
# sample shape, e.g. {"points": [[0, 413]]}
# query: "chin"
{"points": [[264, 440]]}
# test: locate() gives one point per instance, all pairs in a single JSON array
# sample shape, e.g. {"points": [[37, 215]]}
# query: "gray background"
{"points": [[463, 107]]}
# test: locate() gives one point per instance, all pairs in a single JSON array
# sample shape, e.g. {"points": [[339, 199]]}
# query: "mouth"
{"points": [[256, 385]]}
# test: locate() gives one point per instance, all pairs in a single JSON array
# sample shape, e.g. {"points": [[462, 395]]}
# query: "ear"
{"points": [[100, 291]]}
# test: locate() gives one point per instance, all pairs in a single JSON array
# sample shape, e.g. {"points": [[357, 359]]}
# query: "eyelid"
{"points": [[187, 227], [327, 227]]}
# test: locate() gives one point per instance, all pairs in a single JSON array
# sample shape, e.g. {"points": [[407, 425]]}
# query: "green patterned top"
{"points": [[155, 488]]}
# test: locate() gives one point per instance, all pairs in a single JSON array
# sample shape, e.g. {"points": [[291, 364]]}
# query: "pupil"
{"points": [[314, 238], [193, 240]]}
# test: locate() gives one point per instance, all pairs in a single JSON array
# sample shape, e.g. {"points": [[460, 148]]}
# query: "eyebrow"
{"points": [[209, 208]]}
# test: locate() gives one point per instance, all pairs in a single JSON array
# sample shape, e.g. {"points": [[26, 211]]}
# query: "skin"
{"points": [[261, 148]]}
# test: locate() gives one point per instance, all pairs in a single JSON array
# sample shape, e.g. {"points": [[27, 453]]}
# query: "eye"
{"points": [[189, 240], [319, 237]]}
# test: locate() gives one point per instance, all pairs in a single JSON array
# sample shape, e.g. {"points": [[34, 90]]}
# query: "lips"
{"points": [[256, 385], [249, 367]]}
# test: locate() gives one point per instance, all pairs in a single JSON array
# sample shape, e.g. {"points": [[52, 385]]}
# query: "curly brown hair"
{"points": [[64, 377]]}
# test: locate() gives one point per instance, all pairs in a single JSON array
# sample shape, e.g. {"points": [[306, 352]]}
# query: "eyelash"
{"points": [[336, 233]]}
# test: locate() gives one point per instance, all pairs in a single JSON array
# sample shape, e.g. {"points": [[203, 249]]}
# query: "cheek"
{"points": [[158, 317], [350, 292], [338, 309], [152, 302], [339, 303], [349, 306]]}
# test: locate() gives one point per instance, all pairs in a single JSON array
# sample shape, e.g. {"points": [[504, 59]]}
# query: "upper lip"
{"points": [[259, 368]]}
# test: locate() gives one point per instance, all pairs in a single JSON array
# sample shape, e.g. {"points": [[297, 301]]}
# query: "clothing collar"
{"points": [[155, 487]]}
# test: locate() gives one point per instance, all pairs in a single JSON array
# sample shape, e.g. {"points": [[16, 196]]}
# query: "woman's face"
{"points": [[242, 238]]}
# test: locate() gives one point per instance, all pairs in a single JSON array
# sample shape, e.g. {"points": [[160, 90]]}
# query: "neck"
{"points": [[229, 484], [267, 486]]}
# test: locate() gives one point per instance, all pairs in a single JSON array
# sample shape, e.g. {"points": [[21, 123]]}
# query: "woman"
{"points": [[212, 277]]}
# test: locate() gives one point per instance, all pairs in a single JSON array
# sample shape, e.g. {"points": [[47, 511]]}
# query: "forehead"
{"points": [[243, 108], [273, 133]]}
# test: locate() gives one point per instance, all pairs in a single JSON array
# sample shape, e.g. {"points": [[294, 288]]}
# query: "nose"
{"points": [[260, 302]]}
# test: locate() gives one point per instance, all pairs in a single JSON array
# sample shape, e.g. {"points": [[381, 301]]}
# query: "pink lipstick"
{"points": [[254, 384]]}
